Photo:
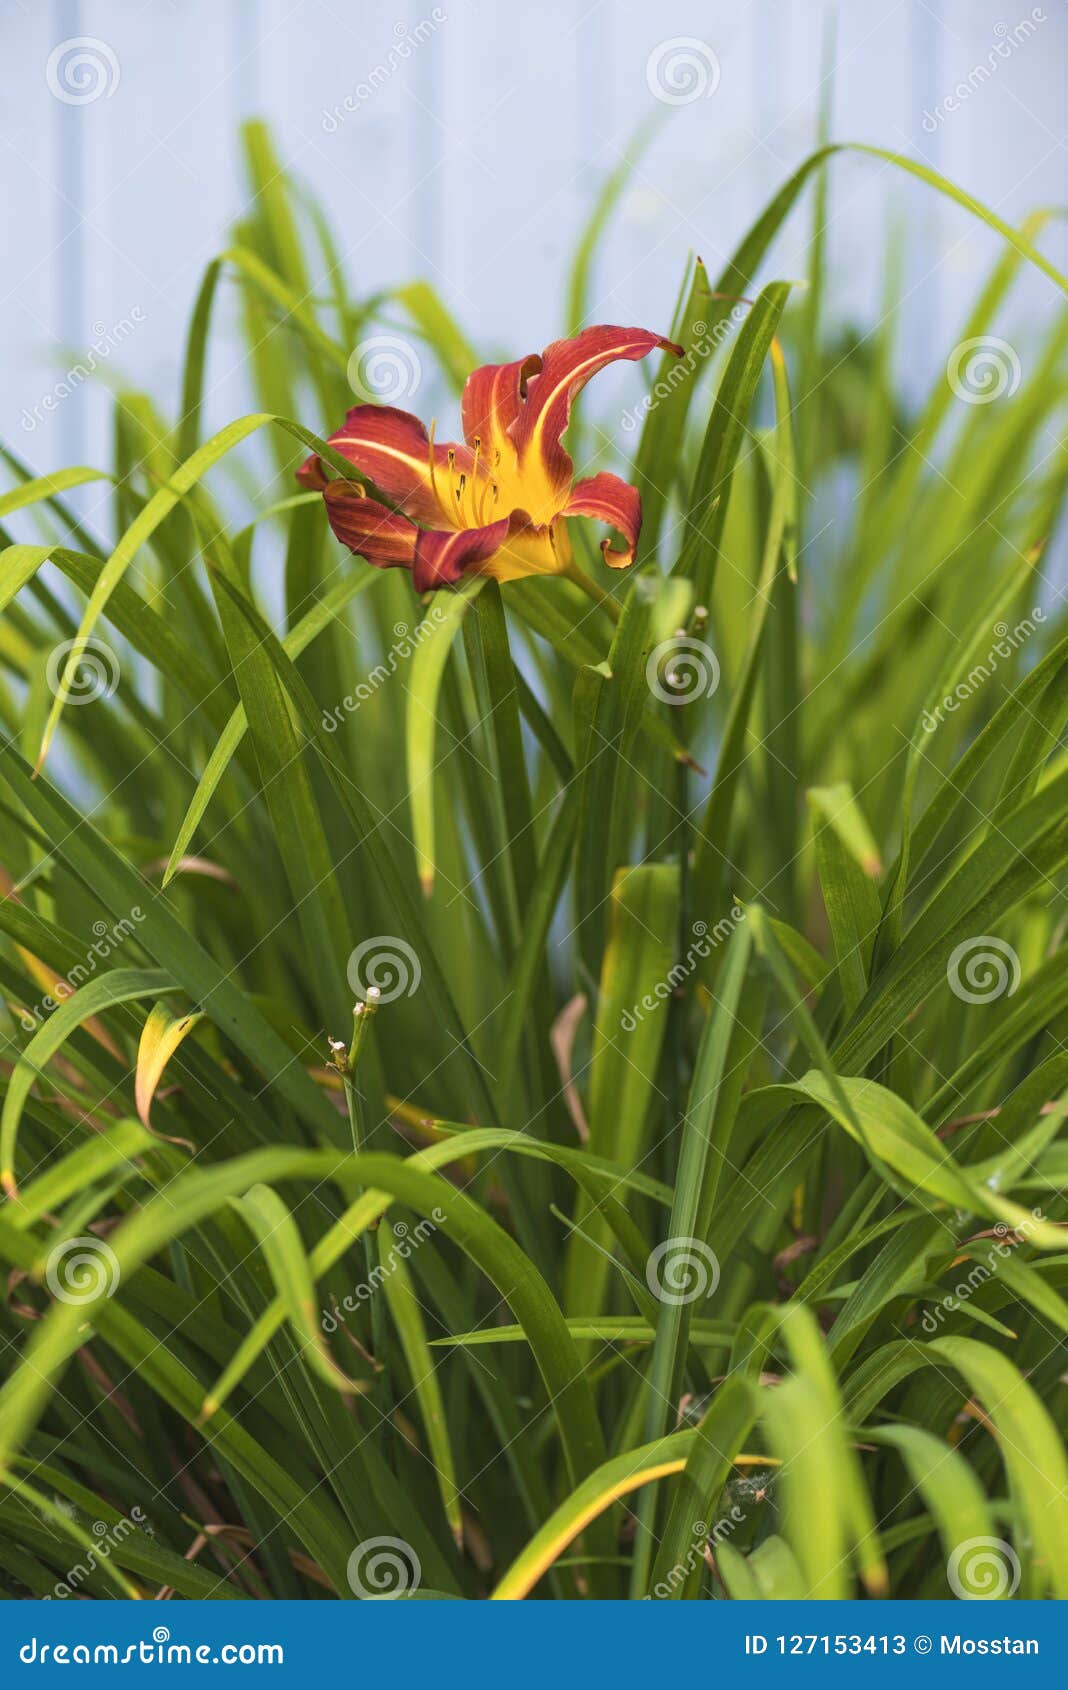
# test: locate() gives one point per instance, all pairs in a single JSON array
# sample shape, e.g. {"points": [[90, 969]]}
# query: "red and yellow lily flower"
{"points": [[493, 505]]}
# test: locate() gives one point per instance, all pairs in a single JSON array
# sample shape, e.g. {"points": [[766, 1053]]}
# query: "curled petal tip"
{"points": [[566, 367], [311, 474], [607, 498]]}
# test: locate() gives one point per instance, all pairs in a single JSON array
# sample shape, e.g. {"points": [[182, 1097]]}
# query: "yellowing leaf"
{"points": [[160, 1037]]}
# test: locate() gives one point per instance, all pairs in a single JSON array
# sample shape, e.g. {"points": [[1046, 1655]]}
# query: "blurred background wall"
{"points": [[465, 142]]}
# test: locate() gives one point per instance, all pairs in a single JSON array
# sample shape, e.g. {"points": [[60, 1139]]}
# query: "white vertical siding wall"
{"points": [[476, 162]]}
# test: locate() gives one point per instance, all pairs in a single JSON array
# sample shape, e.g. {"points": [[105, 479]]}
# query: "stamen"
{"points": [[430, 457], [479, 488]]}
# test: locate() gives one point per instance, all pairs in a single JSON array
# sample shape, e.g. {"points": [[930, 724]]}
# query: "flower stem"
{"points": [[354, 1099], [589, 586]]}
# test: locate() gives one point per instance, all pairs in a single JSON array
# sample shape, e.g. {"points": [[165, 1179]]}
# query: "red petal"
{"points": [[492, 400], [609, 499], [566, 367], [372, 531], [312, 475], [441, 556], [392, 448]]}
